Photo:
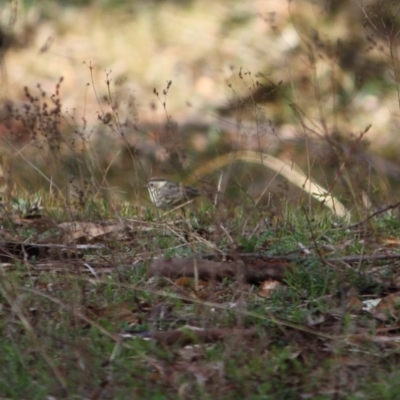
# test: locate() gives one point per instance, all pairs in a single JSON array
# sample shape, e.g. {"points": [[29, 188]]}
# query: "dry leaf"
{"points": [[88, 230], [268, 287]]}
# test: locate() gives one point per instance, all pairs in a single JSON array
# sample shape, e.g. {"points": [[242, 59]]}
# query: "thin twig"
{"points": [[390, 207]]}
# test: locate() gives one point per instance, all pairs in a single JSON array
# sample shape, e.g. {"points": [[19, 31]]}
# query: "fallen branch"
{"points": [[212, 270]]}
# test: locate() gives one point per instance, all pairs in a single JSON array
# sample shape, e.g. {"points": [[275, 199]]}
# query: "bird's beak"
{"points": [[144, 186]]}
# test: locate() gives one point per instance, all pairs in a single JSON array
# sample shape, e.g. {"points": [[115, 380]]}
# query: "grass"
{"points": [[62, 321], [262, 293]]}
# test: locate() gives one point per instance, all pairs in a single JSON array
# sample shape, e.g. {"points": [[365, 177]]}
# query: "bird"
{"points": [[166, 194]]}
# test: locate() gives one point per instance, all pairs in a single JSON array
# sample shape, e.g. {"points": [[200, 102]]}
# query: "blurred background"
{"points": [[105, 94]]}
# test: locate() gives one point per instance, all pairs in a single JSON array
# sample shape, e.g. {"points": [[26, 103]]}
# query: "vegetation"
{"points": [[279, 282]]}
